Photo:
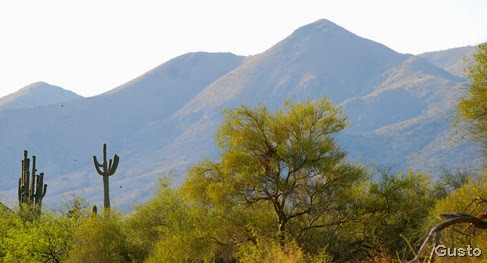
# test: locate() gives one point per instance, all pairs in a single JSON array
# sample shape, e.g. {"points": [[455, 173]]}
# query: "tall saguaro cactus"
{"points": [[31, 186], [109, 169]]}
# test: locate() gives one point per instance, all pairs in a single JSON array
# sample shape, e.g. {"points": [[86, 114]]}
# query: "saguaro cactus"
{"points": [[31, 187], [108, 170]]}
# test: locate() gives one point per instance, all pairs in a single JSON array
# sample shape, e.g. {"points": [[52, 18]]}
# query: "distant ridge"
{"points": [[455, 60], [36, 94]]}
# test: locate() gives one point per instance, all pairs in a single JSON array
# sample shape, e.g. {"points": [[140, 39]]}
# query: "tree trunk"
{"points": [[282, 231]]}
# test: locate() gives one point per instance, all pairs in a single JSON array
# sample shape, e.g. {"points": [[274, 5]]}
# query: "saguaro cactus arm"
{"points": [[98, 166], [113, 166], [40, 188]]}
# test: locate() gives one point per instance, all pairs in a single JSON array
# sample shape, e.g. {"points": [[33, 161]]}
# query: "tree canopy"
{"points": [[472, 109], [287, 159]]}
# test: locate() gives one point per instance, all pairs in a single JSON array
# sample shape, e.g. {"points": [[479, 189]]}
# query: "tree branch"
{"points": [[456, 218]]}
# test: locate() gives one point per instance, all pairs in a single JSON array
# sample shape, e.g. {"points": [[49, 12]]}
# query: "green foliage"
{"points": [[462, 200], [472, 109], [101, 239], [7, 221], [388, 208], [397, 206], [272, 252], [47, 239], [153, 222], [280, 175], [449, 181], [181, 230]]}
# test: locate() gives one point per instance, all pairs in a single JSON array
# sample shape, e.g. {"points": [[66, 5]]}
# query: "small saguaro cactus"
{"points": [[94, 211], [31, 186], [109, 169]]}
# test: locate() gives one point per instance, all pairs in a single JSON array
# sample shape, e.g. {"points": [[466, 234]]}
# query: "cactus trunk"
{"points": [[106, 192]]}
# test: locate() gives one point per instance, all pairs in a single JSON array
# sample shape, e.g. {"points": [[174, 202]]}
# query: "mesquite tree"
{"points": [[106, 169], [288, 160]]}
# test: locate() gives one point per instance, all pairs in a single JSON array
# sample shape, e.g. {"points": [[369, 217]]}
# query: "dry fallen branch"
{"points": [[454, 218]]}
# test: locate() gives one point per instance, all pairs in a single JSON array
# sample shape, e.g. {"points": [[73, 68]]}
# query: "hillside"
{"points": [[455, 60]]}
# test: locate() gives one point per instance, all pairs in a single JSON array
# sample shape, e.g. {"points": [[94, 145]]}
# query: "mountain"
{"points": [[317, 59], [455, 60], [400, 108], [36, 94]]}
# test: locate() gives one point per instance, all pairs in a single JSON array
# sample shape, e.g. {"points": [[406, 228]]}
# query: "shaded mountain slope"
{"points": [[455, 60]]}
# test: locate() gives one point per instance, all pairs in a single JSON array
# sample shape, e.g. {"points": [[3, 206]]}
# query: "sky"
{"points": [[90, 47]]}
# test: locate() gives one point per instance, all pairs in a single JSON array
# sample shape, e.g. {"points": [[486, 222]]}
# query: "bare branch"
{"points": [[460, 218]]}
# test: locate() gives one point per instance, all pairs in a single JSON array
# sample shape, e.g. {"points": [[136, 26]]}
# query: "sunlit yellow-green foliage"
{"points": [[400, 204], [168, 229], [101, 239], [286, 163], [472, 109], [270, 251], [47, 239], [462, 200], [154, 219]]}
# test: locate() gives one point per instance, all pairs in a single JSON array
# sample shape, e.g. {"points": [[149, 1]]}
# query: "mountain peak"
{"points": [[323, 35], [37, 84], [36, 94], [321, 26], [39, 87]]}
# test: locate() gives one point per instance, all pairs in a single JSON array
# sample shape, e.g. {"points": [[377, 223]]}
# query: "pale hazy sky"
{"points": [[92, 46]]}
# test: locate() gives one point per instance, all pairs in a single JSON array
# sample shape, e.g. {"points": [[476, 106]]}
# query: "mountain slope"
{"points": [[320, 58], [167, 87], [36, 94], [455, 60], [412, 89]]}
